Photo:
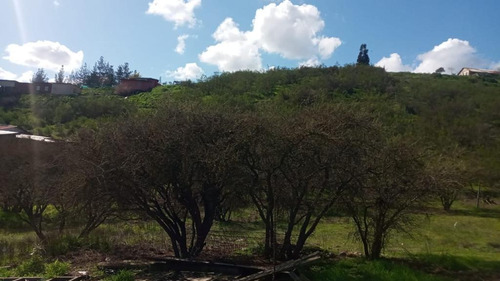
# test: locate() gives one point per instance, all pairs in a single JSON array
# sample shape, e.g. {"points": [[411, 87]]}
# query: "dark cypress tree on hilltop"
{"points": [[363, 55], [40, 76]]}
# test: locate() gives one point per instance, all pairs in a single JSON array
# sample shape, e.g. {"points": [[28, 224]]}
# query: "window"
{"points": [[38, 88], [46, 88]]}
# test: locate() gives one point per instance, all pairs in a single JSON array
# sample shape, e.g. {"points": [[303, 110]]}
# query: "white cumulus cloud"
{"points": [[495, 66], [181, 44], [26, 76], [291, 31], [234, 51], [180, 12], [190, 71], [393, 64], [452, 55], [44, 54], [7, 75], [312, 62]]}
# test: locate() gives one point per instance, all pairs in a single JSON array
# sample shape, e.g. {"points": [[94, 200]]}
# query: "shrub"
{"points": [[122, 275], [33, 266], [57, 268]]}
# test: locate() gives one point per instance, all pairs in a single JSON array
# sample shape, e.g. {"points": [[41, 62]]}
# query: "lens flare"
{"points": [[19, 20]]}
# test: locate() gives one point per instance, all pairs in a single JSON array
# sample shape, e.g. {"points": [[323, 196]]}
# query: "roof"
{"points": [[478, 70], [10, 130], [35, 137], [140, 79]]}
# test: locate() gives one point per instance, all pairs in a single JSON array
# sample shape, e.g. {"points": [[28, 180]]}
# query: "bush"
{"points": [[62, 245], [57, 268], [122, 275], [33, 266]]}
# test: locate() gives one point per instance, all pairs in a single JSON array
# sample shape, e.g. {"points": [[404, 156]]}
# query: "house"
{"points": [[132, 86], [40, 88], [467, 71], [14, 88], [65, 89], [10, 87]]}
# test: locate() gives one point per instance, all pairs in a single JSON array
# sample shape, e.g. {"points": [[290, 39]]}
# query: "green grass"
{"points": [[57, 268], [122, 275], [463, 232], [36, 266], [443, 245], [361, 269]]}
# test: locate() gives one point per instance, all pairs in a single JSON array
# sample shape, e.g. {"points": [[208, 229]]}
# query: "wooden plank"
{"points": [[286, 266], [165, 264]]}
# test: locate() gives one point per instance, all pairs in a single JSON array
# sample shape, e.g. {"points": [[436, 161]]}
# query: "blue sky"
{"points": [[183, 39]]}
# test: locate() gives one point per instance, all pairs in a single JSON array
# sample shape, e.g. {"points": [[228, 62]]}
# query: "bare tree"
{"points": [[298, 167], [32, 179], [172, 166], [382, 200], [448, 176]]}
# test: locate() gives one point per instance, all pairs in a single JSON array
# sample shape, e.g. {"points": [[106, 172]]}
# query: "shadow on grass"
{"points": [[425, 267], [357, 269], [456, 263], [481, 212], [473, 212]]}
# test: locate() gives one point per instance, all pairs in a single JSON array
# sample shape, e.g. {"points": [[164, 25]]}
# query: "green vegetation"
{"points": [[359, 269], [35, 266], [122, 275], [297, 158]]}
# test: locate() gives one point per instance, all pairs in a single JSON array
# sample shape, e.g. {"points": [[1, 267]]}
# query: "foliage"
{"points": [[31, 267], [56, 268], [363, 55], [30, 184], [59, 77], [174, 169], [35, 266], [454, 119], [298, 166], [60, 117], [392, 184], [122, 275], [40, 76], [359, 269], [102, 75]]}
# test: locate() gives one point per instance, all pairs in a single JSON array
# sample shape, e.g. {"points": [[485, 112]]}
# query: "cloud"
{"points": [[393, 64], [44, 54], [190, 71], [292, 31], [7, 75], [180, 12], [235, 50], [289, 30], [452, 54], [26, 76], [495, 66], [181, 44], [312, 62], [56, 3]]}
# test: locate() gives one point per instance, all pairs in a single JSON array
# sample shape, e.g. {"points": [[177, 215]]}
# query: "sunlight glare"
{"points": [[19, 19]]}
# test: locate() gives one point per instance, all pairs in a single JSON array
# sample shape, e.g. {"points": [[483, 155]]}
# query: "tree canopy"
{"points": [[363, 55]]}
